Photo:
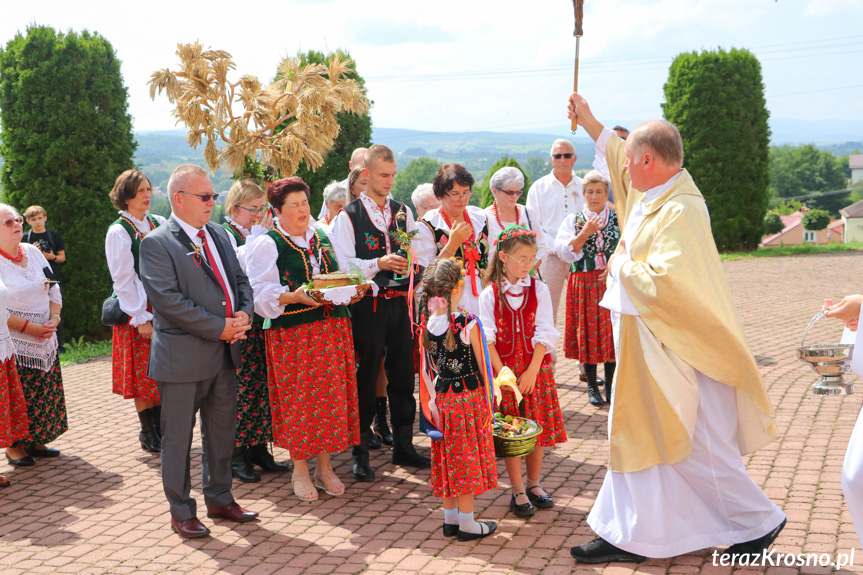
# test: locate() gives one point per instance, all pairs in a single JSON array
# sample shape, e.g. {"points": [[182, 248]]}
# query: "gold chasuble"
{"points": [[687, 322]]}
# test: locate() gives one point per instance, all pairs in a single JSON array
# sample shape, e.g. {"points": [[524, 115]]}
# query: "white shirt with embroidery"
{"points": [[251, 237], [544, 331], [121, 264], [526, 217], [551, 201]]}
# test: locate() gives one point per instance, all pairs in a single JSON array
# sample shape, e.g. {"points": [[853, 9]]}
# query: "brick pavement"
{"points": [[99, 508]]}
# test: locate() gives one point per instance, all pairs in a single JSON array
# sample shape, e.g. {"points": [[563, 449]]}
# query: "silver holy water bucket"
{"points": [[831, 362]]}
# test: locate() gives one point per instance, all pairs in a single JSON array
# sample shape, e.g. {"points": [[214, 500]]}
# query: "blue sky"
{"points": [[501, 65]]}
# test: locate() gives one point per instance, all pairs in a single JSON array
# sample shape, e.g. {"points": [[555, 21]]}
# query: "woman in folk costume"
{"points": [[311, 369], [456, 230], [33, 305], [13, 408], [507, 186], [247, 220], [587, 240], [456, 403], [518, 323], [130, 347], [848, 310]]}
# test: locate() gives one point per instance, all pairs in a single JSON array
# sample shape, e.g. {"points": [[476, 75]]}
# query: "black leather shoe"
{"points": [[601, 551], [521, 510], [47, 452], [360, 467], [754, 547], [540, 501], [381, 429], [241, 466], [450, 530], [607, 392], [156, 420], [259, 455], [25, 461], [150, 442], [594, 396], [404, 452], [490, 527], [375, 441]]}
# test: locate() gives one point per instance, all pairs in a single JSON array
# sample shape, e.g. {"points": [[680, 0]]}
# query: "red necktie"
{"points": [[215, 267]]}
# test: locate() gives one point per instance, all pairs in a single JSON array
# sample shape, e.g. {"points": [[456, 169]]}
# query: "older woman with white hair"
{"points": [[507, 186], [424, 200], [335, 198]]}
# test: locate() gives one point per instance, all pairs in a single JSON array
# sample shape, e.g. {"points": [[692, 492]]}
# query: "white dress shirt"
{"points": [[251, 237], [343, 237], [526, 217], [551, 201], [427, 250], [121, 264], [264, 273], [192, 232], [544, 330]]}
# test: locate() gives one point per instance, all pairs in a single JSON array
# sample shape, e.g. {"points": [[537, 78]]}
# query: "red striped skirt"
{"points": [[587, 335], [13, 407], [311, 373], [130, 356], [541, 404], [463, 461]]}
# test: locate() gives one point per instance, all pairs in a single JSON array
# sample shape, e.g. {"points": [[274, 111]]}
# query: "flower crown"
{"points": [[513, 231]]}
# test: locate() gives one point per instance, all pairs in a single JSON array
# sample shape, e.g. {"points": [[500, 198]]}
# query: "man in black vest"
{"points": [[381, 325]]}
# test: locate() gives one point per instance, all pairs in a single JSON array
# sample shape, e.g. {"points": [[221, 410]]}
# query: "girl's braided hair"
{"points": [[441, 277]]}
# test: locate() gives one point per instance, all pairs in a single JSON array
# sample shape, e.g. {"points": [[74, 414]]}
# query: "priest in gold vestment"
{"points": [[688, 398]]}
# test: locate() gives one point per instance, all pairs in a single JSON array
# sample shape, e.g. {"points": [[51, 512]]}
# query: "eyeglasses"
{"points": [[457, 197], [303, 204], [12, 221], [204, 197], [254, 211], [559, 156], [515, 193], [524, 262]]}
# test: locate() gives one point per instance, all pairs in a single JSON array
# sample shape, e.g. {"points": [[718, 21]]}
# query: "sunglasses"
{"points": [[515, 193], [204, 197], [12, 221], [559, 156]]}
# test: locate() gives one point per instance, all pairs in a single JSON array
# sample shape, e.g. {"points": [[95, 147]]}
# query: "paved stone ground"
{"points": [[99, 508]]}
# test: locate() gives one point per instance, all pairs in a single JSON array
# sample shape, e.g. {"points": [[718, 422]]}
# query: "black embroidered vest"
{"points": [[371, 243]]}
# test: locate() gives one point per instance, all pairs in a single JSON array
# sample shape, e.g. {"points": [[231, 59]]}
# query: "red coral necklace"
{"points": [[15, 259], [497, 215]]}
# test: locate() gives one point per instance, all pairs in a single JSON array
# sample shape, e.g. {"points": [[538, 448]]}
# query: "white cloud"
{"points": [[821, 8]]}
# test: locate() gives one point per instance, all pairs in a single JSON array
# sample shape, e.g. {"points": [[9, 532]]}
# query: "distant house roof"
{"points": [[855, 210], [791, 221], [855, 162]]}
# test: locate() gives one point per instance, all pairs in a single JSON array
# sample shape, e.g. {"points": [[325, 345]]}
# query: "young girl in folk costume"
{"points": [[456, 402], [247, 220], [518, 322], [586, 240]]}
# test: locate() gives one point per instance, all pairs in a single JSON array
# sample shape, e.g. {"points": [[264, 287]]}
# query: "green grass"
{"points": [[792, 251], [79, 351]]}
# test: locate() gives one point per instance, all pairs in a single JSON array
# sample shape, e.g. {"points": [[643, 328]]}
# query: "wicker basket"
{"points": [[516, 446], [318, 295]]}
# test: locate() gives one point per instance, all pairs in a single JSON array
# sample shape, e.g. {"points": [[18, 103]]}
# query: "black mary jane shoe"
{"points": [[601, 551], [465, 536], [521, 509], [25, 461], [543, 501], [47, 452], [450, 530], [754, 547]]}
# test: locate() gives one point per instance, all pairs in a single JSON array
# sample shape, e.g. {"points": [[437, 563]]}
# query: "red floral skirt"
{"points": [[541, 404], [130, 356], [463, 461], [311, 373], [587, 336], [13, 407]]}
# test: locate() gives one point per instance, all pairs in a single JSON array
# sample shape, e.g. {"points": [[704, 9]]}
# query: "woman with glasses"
{"points": [[247, 220], [507, 186], [586, 241], [311, 368], [456, 230], [130, 349], [33, 305]]}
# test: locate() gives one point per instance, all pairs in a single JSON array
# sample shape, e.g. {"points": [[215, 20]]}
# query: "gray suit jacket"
{"points": [[188, 304]]}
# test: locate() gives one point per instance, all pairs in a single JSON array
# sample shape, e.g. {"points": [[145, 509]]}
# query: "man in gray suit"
{"points": [[202, 305]]}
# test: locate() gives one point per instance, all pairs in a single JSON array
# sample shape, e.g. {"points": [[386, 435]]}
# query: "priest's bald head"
{"points": [[654, 154]]}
